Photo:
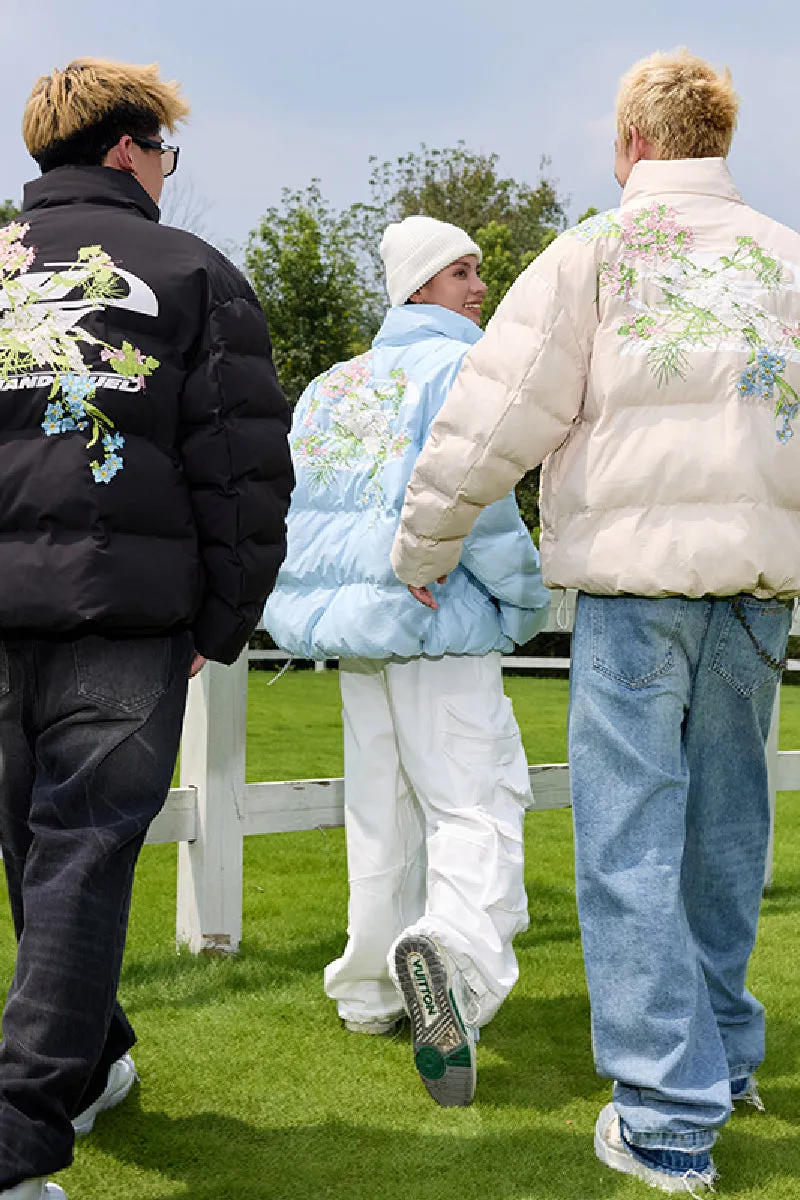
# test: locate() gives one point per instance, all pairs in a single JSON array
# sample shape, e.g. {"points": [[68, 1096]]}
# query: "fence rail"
{"points": [[213, 809]]}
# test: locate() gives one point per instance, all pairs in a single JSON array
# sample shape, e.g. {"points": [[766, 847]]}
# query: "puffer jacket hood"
{"points": [[653, 352], [144, 464], [356, 434]]}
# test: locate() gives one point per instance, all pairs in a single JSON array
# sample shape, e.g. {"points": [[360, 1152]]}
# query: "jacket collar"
{"points": [[692, 176], [407, 323], [88, 185]]}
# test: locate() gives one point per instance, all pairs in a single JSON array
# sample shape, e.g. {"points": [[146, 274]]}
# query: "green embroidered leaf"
{"points": [[131, 363], [667, 360]]}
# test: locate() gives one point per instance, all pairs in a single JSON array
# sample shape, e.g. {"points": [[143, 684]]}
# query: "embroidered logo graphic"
{"points": [[41, 340], [683, 302], [360, 426]]}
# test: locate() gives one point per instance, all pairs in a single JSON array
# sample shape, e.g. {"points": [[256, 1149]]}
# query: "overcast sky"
{"points": [[283, 92]]}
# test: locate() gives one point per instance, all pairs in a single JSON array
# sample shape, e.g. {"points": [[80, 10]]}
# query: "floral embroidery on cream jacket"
{"points": [[651, 357]]}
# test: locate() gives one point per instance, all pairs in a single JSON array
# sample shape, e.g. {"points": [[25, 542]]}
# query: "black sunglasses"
{"points": [[169, 154]]}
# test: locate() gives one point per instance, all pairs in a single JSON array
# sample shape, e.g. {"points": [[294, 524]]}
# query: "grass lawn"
{"points": [[251, 1090]]}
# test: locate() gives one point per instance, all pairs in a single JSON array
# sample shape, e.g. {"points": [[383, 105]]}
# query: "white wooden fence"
{"points": [[213, 810]]}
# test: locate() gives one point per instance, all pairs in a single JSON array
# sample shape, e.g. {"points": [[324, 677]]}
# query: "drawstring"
{"points": [[562, 613], [282, 671]]}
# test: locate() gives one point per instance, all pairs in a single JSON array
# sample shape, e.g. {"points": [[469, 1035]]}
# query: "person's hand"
{"points": [[198, 662], [425, 595]]}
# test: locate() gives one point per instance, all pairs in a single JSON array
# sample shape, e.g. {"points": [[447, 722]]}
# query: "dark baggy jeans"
{"points": [[89, 733]]}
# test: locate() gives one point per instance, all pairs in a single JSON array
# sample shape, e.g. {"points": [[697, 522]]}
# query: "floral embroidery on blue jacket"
{"points": [[356, 435], [362, 412]]}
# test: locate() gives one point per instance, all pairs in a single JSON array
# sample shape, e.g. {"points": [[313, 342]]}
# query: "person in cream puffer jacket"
{"points": [[651, 357]]}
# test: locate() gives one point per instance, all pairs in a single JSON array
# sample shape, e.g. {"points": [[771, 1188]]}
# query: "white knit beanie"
{"points": [[414, 250]]}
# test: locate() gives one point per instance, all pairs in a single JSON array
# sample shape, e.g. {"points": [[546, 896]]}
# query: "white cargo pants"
{"points": [[435, 786]]}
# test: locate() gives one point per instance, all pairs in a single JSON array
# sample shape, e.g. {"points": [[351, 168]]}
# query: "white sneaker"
{"points": [[611, 1150], [444, 1045], [35, 1189], [121, 1078], [380, 1027], [745, 1091]]}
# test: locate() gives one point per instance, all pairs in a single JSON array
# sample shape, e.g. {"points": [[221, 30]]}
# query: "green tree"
{"points": [[8, 211], [512, 221], [303, 262]]}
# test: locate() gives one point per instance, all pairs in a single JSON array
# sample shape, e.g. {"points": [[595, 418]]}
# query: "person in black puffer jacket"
{"points": [[145, 477]]}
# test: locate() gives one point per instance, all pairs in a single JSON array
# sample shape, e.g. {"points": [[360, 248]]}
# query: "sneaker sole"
{"points": [[85, 1125], [620, 1160], [375, 1028], [443, 1053]]}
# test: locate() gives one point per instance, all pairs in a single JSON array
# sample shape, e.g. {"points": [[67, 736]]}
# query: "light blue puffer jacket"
{"points": [[356, 435]]}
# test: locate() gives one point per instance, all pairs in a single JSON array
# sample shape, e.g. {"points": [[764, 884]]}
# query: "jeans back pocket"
{"points": [[632, 638], [736, 659], [125, 674]]}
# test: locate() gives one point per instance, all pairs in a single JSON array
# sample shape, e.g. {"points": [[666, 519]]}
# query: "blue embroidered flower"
{"points": [[758, 378], [77, 415], [749, 382], [788, 412], [604, 224], [77, 387], [52, 422], [769, 365], [113, 441], [105, 471]]}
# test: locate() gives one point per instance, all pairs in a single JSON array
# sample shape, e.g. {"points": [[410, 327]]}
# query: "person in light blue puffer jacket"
{"points": [[435, 774]]}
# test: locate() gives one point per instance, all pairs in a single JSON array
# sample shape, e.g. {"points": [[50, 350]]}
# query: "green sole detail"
{"points": [[430, 1062], [456, 1011], [460, 1058]]}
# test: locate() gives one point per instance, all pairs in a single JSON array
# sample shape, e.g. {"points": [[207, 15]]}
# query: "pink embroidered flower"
{"points": [[15, 258], [653, 234], [619, 277]]}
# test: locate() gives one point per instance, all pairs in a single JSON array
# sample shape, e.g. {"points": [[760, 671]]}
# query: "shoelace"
{"points": [[707, 1178], [750, 1096]]}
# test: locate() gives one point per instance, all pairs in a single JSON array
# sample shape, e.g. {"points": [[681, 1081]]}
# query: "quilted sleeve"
{"points": [[500, 554], [235, 453]]}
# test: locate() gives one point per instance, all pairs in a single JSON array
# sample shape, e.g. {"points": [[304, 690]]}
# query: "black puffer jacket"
{"points": [[144, 466]]}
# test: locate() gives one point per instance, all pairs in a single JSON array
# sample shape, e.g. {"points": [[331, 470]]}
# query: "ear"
{"points": [[640, 147], [416, 297], [119, 156]]}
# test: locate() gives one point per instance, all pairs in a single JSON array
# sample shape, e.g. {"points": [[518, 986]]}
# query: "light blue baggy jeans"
{"points": [[670, 706]]}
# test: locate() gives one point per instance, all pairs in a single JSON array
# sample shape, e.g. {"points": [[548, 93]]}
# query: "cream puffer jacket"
{"points": [[653, 353]]}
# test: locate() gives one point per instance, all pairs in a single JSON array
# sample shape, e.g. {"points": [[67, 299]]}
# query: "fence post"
{"points": [[213, 763], [772, 781]]}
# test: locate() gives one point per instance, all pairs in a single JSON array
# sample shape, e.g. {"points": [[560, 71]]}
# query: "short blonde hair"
{"points": [[679, 104], [67, 102]]}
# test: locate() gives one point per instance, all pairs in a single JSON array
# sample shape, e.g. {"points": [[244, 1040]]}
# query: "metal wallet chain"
{"points": [[764, 655]]}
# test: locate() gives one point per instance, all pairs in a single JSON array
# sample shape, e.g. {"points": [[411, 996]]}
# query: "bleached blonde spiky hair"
{"points": [[679, 104], [66, 102]]}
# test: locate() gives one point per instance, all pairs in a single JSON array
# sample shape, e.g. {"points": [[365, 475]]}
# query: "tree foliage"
{"points": [[319, 276], [8, 211], [511, 221], [303, 264]]}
